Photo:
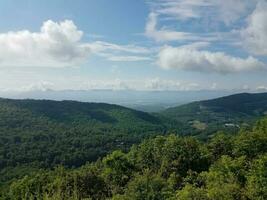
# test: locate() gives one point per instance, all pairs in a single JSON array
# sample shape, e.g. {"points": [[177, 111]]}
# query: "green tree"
{"points": [[148, 187], [190, 192], [180, 155], [117, 170], [220, 144], [225, 179], [256, 187], [250, 144]]}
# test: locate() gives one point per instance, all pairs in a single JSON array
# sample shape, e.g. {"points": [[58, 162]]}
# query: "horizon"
{"points": [[147, 101]]}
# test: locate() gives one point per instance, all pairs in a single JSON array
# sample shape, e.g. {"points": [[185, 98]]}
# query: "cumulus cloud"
{"points": [[255, 34], [205, 61], [58, 44]]}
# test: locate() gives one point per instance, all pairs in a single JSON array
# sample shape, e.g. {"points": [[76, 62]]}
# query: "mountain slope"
{"points": [[225, 112], [165, 167], [38, 134], [71, 111], [43, 134]]}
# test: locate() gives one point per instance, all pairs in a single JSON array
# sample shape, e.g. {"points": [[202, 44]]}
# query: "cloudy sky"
{"points": [[133, 44]]}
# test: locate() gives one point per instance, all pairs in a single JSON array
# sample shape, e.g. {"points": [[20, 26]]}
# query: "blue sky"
{"points": [[133, 44]]}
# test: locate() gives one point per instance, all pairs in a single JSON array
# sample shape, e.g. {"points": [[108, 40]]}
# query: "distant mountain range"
{"points": [[149, 101]]}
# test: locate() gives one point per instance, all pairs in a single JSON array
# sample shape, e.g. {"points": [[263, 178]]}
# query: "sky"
{"points": [[133, 44]]}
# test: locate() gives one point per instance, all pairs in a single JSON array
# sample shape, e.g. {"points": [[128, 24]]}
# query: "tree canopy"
{"points": [[163, 168]]}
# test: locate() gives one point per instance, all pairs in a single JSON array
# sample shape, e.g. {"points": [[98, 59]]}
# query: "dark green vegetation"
{"points": [[225, 113], [43, 134], [164, 168]]}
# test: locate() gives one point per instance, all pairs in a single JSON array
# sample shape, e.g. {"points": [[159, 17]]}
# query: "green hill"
{"points": [[226, 167], [230, 112], [42, 134]]}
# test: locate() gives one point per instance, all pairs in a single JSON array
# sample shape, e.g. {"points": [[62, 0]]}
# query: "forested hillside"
{"points": [[164, 168], [225, 113], [42, 134]]}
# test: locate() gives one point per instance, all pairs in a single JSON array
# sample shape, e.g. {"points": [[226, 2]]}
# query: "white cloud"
{"points": [[207, 15], [214, 86], [149, 84], [56, 45], [164, 34], [120, 53], [115, 84], [100, 46], [226, 11], [195, 45], [255, 35], [182, 9], [156, 84], [127, 58], [232, 10], [261, 88], [205, 61], [245, 87], [39, 86], [59, 45]]}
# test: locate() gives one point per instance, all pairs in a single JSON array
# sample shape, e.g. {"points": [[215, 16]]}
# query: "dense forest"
{"points": [[38, 136], [227, 113], [226, 167], [43, 134]]}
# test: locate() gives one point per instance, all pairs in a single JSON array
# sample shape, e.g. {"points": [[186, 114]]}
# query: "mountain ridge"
{"points": [[41, 134], [232, 111]]}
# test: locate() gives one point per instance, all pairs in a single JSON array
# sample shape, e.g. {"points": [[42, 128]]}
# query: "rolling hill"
{"points": [[42, 133], [227, 167], [230, 112]]}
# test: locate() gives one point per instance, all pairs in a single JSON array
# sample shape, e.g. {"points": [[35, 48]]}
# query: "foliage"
{"points": [[226, 113], [166, 167], [43, 134]]}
